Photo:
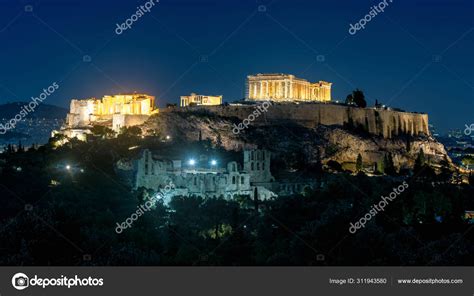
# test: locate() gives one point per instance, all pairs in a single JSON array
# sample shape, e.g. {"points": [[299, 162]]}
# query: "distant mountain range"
{"points": [[9, 110], [13, 136], [36, 127]]}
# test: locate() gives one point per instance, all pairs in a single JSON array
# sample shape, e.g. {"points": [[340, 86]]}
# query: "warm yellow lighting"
{"points": [[283, 87], [83, 112], [200, 100]]}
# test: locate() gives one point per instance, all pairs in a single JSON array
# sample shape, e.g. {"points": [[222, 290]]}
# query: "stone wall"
{"points": [[127, 120], [382, 122]]}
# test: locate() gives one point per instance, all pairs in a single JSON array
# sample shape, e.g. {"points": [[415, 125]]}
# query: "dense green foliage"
{"points": [[356, 98], [53, 214]]}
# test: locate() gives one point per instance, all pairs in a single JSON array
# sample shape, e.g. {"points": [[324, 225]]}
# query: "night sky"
{"points": [[417, 55]]}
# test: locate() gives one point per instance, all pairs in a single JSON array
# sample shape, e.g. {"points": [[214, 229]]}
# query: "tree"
{"points": [[349, 99], [389, 167], [380, 167], [216, 214], [102, 131], [10, 148], [317, 167], [408, 142], [20, 147], [133, 131], [359, 163], [58, 140], [219, 140], [377, 104], [420, 161], [334, 165], [446, 173], [357, 98]]}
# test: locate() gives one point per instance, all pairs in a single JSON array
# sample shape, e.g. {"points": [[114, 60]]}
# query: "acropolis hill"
{"points": [[310, 131], [376, 121], [291, 99], [308, 104], [299, 115]]}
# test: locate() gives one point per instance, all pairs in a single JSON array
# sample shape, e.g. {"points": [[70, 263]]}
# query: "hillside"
{"points": [[36, 127], [46, 111], [298, 145]]}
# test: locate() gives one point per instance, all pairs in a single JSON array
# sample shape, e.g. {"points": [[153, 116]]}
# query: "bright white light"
{"points": [[68, 167], [168, 137], [191, 162], [213, 162]]}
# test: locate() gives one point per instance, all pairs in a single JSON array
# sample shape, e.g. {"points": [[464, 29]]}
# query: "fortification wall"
{"points": [[386, 123], [127, 120]]}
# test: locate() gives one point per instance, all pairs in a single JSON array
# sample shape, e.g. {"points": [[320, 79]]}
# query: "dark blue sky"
{"points": [[417, 55]]}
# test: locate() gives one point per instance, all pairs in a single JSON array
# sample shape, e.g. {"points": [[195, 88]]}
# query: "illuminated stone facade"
{"points": [[229, 181], [200, 100], [253, 179], [284, 87], [115, 111], [84, 112]]}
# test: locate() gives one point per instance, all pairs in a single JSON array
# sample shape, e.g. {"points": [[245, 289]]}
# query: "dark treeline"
{"points": [[52, 214]]}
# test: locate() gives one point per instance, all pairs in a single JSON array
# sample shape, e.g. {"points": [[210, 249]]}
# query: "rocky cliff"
{"points": [[293, 142], [377, 121]]}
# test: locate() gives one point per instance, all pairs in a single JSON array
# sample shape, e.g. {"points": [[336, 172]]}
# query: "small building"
{"points": [[200, 100]]}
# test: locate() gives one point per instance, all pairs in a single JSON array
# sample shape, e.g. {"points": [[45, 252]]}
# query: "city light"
{"points": [[168, 137], [68, 167], [213, 162], [192, 162]]}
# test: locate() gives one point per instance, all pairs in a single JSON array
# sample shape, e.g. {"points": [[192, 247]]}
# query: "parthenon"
{"points": [[284, 87]]}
